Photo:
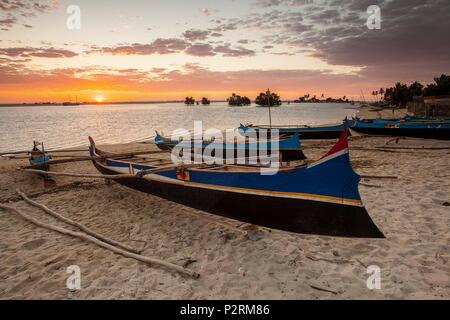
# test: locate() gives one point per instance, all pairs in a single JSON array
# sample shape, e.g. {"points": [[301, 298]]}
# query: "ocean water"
{"points": [[69, 126]]}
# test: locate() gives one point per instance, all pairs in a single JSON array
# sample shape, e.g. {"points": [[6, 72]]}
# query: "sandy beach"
{"points": [[233, 263]]}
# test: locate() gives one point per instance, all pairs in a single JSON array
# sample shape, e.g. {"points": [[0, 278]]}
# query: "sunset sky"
{"points": [[158, 50]]}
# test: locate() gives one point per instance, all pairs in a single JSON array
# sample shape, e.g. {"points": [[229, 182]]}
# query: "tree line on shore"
{"points": [[265, 99], [401, 94], [307, 98]]}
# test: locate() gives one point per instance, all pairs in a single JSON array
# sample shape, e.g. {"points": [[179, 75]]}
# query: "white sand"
{"points": [[414, 259]]}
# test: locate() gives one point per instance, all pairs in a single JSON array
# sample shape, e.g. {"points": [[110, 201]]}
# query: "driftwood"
{"points": [[378, 149], [76, 224], [323, 289], [105, 245], [414, 148]]}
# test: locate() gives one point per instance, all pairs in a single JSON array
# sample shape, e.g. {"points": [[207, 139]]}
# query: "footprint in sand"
{"points": [[31, 245]]}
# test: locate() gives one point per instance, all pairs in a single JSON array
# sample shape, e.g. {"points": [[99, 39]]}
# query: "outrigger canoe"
{"points": [[432, 129], [332, 131], [290, 148], [38, 157], [319, 198]]}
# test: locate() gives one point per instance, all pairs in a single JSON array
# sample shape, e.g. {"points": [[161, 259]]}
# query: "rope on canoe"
{"points": [[102, 244], [76, 224]]}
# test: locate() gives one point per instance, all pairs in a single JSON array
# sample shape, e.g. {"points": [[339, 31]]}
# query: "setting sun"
{"points": [[99, 99]]}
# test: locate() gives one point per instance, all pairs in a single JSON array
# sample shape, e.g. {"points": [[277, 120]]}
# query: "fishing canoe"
{"points": [[290, 148], [431, 129], [319, 198], [333, 131], [38, 157]]}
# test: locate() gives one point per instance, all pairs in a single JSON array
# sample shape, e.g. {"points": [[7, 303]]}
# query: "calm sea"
{"points": [[60, 126]]}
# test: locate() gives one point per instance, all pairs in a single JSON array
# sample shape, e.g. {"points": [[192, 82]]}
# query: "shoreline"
{"points": [[57, 104], [280, 265]]}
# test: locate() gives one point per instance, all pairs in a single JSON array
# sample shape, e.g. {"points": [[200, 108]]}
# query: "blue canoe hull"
{"points": [[414, 129]]}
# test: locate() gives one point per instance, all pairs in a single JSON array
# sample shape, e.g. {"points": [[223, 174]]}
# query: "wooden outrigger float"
{"points": [[319, 198]]}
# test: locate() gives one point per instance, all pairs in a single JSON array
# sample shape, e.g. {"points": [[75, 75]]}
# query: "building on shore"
{"points": [[437, 106]]}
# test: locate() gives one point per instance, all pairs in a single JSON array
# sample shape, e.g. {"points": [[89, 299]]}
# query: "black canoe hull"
{"points": [[439, 134], [286, 155], [300, 216]]}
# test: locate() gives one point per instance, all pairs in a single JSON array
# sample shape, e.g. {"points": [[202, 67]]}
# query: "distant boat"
{"points": [[70, 103], [332, 131], [428, 129]]}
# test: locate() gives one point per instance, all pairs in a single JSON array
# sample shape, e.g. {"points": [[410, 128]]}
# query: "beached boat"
{"points": [[431, 129], [333, 131], [38, 158], [318, 198], [290, 148]]}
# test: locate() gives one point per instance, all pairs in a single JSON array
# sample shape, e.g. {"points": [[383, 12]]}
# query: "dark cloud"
{"points": [[227, 51], [8, 22], [173, 45], [159, 46], [412, 36], [288, 3], [411, 33], [8, 5], [17, 9], [195, 35], [200, 50], [27, 52]]}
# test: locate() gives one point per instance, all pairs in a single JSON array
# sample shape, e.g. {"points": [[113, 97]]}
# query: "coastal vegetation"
{"points": [[307, 98], [205, 101], [189, 101], [268, 98], [238, 101], [401, 94]]}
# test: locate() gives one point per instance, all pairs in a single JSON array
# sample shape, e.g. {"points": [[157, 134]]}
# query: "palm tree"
{"points": [[268, 98], [381, 91]]}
